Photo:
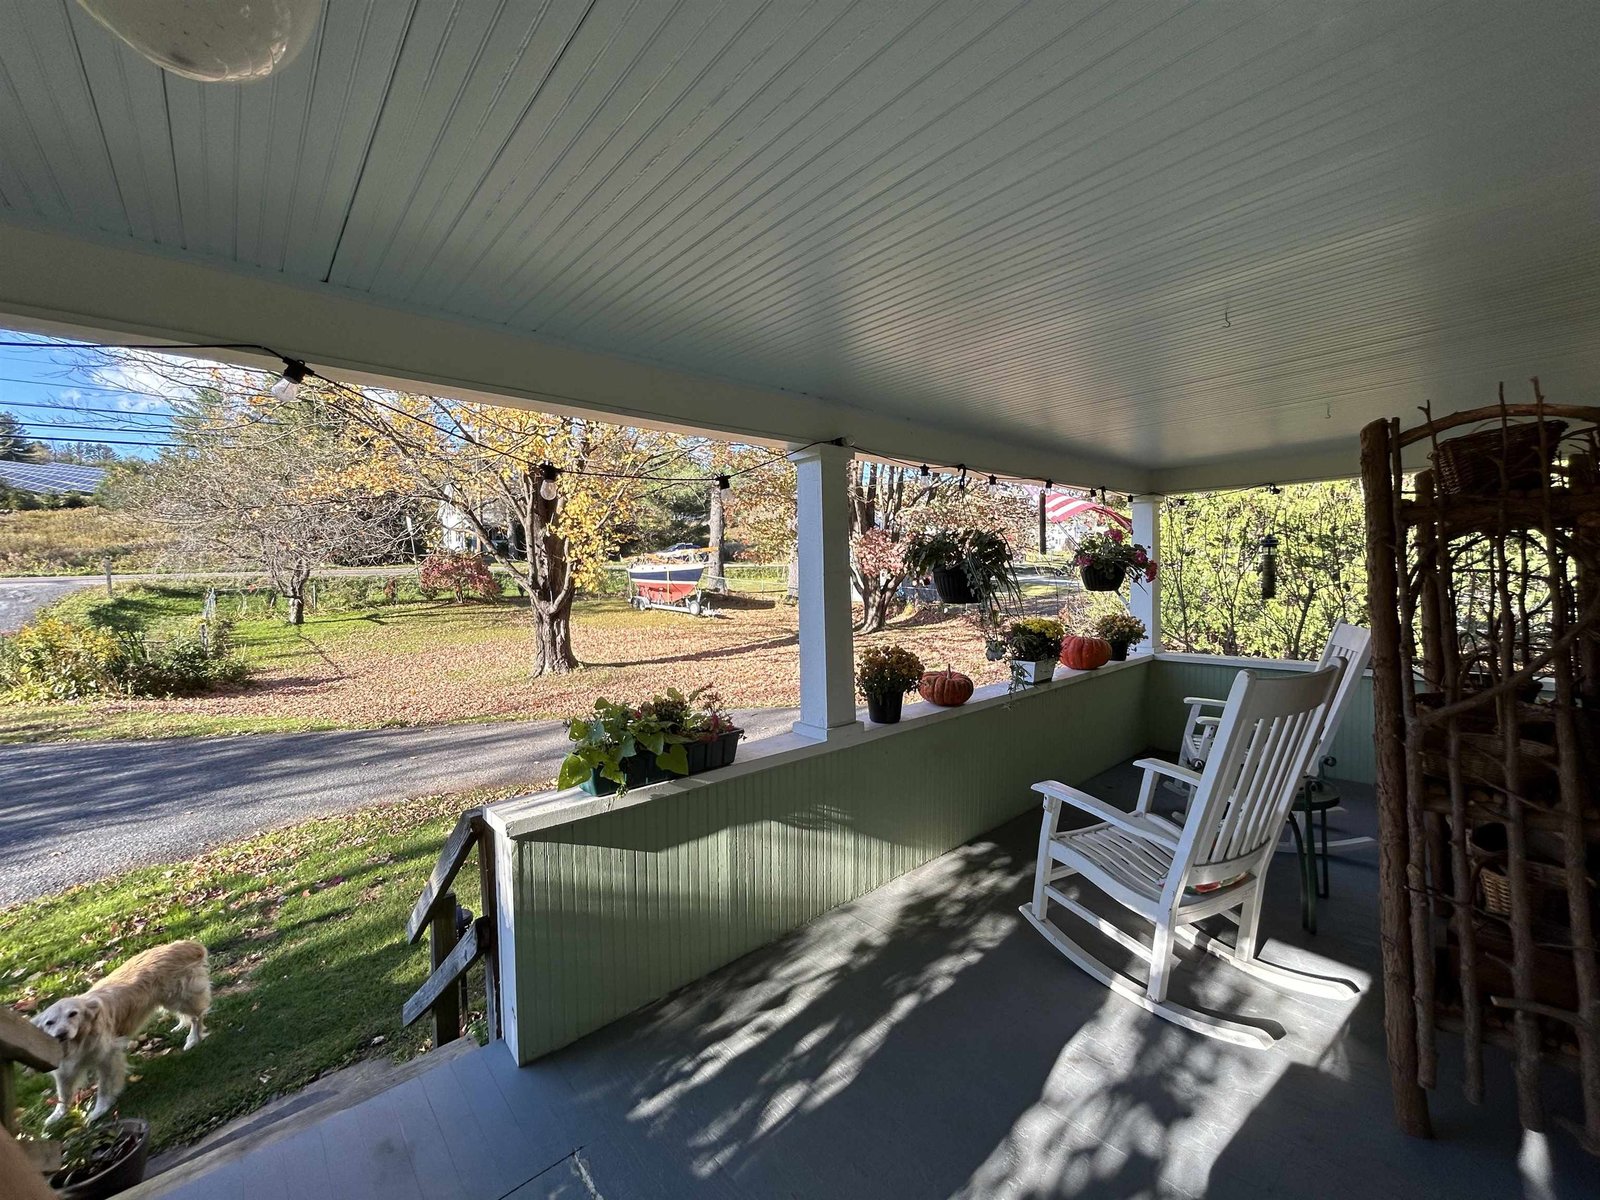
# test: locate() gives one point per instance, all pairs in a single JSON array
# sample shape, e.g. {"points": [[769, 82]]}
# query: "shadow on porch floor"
{"points": [[924, 1042]]}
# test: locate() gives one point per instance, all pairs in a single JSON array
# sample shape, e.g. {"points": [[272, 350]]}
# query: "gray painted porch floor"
{"points": [[923, 1041]]}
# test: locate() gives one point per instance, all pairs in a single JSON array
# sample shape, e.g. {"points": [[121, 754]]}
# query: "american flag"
{"points": [[1059, 509]]}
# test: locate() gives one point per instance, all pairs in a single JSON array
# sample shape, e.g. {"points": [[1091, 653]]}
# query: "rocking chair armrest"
{"points": [[1208, 720], [1162, 767], [1205, 700], [1137, 824]]}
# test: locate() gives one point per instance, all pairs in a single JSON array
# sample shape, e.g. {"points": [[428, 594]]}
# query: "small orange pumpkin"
{"points": [[1085, 653], [946, 688]]}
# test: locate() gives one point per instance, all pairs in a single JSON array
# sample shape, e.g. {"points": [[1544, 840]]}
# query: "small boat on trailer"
{"points": [[670, 581]]}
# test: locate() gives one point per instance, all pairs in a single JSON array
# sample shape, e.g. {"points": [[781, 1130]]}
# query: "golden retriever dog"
{"points": [[94, 1029]]}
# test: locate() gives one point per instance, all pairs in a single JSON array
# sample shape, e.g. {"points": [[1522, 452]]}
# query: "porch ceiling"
{"points": [[1165, 244]]}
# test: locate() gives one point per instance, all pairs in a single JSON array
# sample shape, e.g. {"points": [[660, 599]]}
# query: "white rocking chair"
{"points": [[1215, 863]]}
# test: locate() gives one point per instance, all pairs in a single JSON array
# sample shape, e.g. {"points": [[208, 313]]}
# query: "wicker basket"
{"points": [[1472, 465], [1485, 849]]}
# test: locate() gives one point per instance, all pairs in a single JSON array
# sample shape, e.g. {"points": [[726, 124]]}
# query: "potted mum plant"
{"points": [[88, 1160], [1034, 644], [714, 736], [884, 674], [1106, 557], [1121, 629], [968, 566]]}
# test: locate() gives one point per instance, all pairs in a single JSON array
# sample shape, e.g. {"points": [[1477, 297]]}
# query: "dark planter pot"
{"points": [[884, 710], [718, 752], [119, 1176], [1102, 579], [952, 586], [639, 769], [1119, 651]]}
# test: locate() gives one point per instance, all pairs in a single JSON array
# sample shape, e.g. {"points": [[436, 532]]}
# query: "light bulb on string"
{"points": [[991, 481], [724, 483], [287, 387], [547, 481]]}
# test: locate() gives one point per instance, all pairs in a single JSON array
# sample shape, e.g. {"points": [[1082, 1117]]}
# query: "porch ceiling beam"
{"points": [[76, 287]]}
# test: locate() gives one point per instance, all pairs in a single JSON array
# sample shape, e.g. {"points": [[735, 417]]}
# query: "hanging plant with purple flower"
{"points": [[1106, 557]]}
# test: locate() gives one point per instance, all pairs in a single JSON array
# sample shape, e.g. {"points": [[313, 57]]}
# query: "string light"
{"points": [[724, 483], [548, 474], [297, 371], [287, 389], [991, 481]]}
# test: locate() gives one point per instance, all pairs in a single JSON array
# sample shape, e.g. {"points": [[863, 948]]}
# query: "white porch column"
{"points": [[1144, 599], [827, 648]]}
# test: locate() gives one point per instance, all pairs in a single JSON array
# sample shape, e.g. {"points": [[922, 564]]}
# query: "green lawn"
{"points": [[305, 926]]}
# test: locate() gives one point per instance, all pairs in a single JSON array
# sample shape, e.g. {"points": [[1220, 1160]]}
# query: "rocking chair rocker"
{"points": [[1213, 864]]}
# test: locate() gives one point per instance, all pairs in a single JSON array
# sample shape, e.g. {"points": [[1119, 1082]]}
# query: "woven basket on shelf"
{"points": [[1472, 465], [1543, 879]]}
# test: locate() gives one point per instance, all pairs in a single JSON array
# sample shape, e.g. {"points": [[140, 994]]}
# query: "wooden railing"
{"points": [[21, 1042], [455, 939]]}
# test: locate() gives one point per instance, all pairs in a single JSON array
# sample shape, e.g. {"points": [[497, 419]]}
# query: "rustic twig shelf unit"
{"points": [[1484, 582]]}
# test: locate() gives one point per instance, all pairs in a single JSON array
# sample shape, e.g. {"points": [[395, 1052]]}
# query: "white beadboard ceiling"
{"points": [[1194, 238]]}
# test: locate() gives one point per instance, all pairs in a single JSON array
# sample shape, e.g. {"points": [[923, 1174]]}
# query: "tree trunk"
{"points": [[297, 609], [877, 601], [716, 535], [552, 629]]}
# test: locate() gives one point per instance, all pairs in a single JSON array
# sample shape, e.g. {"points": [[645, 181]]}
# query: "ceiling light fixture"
{"points": [[213, 41]]}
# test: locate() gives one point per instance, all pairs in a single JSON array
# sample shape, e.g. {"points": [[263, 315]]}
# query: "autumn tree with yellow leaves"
{"points": [[550, 497]]}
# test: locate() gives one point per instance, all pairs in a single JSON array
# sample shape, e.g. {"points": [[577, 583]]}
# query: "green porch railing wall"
{"points": [[611, 911]]}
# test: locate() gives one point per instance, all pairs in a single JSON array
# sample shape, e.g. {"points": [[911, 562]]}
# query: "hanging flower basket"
{"points": [[1097, 578]]}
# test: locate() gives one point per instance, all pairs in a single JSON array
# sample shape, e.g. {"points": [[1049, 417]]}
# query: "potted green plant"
{"points": [[1121, 629], [1034, 644], [967, 566], [884, 674], [1105, 558], [617, 747], [99, 1158]]}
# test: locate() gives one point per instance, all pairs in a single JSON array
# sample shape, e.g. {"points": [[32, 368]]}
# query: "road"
{"points": [[71, 812]]}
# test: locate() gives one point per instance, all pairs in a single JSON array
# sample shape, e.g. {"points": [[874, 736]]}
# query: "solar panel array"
{"points": [[44, 478]]}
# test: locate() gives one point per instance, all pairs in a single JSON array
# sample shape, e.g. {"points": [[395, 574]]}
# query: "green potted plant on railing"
{"points": [[713, 734], [617, 747], [968, 566], [1034, 644], [884, 674], [1121, 629], [1105, 558]]}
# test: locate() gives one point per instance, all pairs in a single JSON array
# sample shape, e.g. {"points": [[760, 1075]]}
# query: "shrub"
{"points": [[181, 660], [52, 659], [1120, 627], [458, 574]]}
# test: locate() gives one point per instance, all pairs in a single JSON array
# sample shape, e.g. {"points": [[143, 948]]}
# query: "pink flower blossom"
{"points": [[1150, 573], [1117, 535], [1083, 560], [1140, 558]]}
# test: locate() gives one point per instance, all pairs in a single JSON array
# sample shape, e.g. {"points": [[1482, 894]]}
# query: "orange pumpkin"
{"points": [[1085, 653], [946, 688]]}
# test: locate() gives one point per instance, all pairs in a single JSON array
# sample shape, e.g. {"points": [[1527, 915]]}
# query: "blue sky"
{"points": [[60, 397]]}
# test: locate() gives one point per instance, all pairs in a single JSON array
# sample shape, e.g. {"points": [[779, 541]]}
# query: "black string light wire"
{"points": [[297, 371]]}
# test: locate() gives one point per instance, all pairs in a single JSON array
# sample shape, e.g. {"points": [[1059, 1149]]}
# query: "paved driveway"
{"points": [[73, 812], [21, 598]]}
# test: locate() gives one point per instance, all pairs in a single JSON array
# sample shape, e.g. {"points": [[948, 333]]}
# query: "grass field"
{"points": [[305, 926], [431, 663], [75, 541]]}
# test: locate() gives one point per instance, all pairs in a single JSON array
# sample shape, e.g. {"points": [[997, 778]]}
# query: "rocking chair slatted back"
{"points": [[1350, 645], [1270, 730]]}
